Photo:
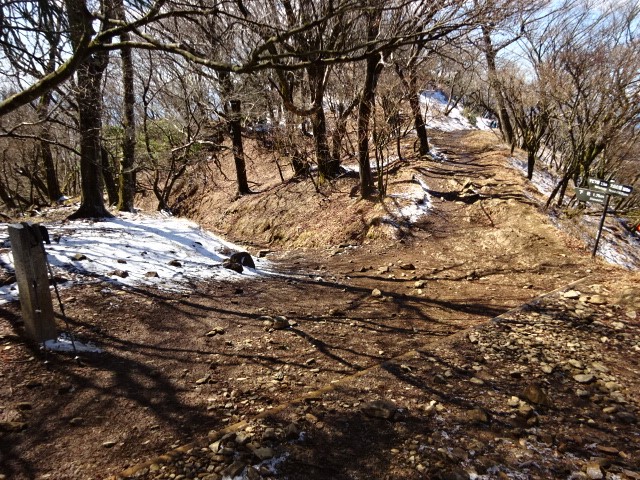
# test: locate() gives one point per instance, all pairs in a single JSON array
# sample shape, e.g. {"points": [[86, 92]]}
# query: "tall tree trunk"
{"points": [[411, 84], [235, 126], [328, 166], [127, 187], [233, 110], [89, 100], [108, 175], [373, 69], [53, 185], [419, 124], [494, 83]]}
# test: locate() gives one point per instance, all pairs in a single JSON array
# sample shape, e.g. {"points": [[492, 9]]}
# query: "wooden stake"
{"points": [[33, 282]]}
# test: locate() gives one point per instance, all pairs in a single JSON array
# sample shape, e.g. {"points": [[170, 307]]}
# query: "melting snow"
{"points": [[134, 249], [434, 107], [66, 343], [409, 206]]}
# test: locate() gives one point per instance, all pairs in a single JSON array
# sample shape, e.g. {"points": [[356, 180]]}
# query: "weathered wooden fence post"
{"points": [[33, 281]]}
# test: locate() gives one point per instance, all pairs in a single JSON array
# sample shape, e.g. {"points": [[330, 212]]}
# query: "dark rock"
{"points": [[231, 265], [151, 275], [407, 266], [175, 263], [534, 394], [626, 417], [119, 273], [243, 258], [380, 409]]}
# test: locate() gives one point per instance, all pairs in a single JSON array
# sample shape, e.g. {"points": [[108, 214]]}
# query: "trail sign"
{"points": [[609, 187], [621, 190], [600, 191], [593, 196], [599, 185]]}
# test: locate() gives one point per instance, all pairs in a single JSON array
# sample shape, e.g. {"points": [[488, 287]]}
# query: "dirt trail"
{"points": [[396, 312]]}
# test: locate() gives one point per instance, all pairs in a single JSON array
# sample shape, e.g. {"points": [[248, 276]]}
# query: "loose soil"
{"points": [[482, 341]]}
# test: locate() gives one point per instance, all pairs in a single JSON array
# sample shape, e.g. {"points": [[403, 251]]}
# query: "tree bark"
{"points": [[89, 100], [233, 108], [419, 124], [503, 114], [127, 186], [373, 68], [53, 185], [235, 126]]}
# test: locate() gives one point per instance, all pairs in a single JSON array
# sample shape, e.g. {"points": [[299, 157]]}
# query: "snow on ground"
{"points": [[409, 206], [134, 249], [434, 105], [617, 246]]}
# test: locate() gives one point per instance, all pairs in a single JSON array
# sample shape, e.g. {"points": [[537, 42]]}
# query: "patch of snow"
{"points": [[65, 343], [434, 105], [543, 180], [409, 206], [135, 249]]}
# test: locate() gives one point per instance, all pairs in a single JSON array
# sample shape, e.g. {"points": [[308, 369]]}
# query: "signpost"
{"points": [[600, 192]]}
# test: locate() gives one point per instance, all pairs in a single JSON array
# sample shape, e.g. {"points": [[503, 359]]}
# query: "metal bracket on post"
{"points": [[33, 282]]}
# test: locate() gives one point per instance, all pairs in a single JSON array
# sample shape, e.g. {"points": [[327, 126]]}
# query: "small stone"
{"points": [[572, 294], [419, 284], [263, 453], [513, 402], [234, 470], [78, 257], [24, 406], [599, 367], [477, 415], [407, 266], [596, 300], [76, 421], [151, 275], [536, 395], [608, 450], [109, 444], [576, 364], [593, 471], [376, 293], [175, 263], [379, 409], [626, 418], [525, 410], [584, 378], [280, 323], [119, 273], [476, 381]]}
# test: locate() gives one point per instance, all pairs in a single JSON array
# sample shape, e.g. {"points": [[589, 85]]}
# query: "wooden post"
{"points": [[33, 282]]}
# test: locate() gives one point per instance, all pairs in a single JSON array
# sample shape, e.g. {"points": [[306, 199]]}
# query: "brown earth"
{"points": [[427, 351]]}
